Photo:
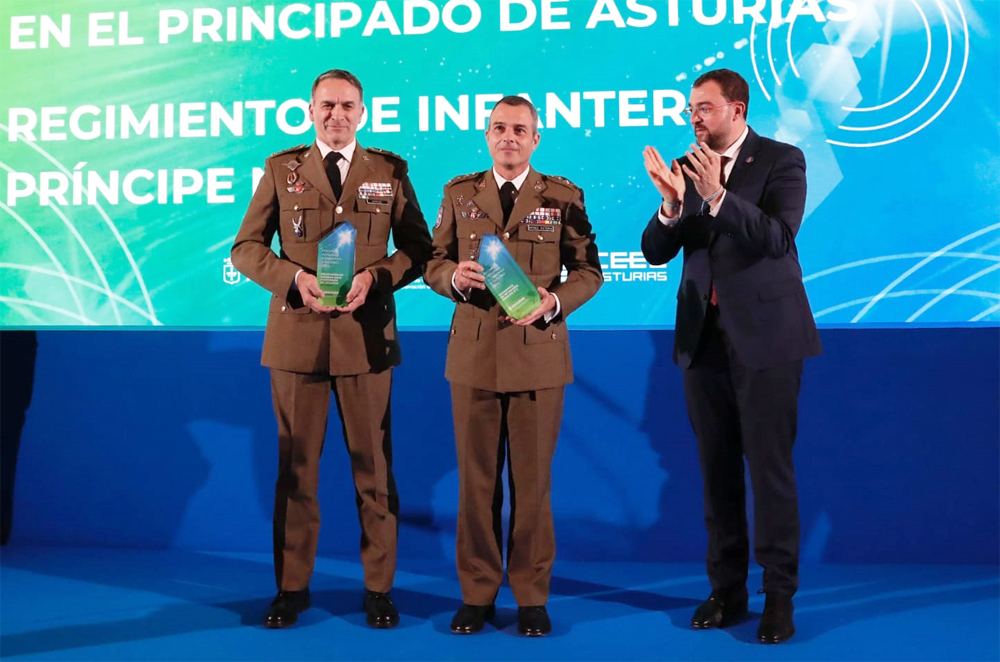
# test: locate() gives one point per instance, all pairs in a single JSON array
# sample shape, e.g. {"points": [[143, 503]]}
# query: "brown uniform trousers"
{"points": [[353, 355], [507, 381]]}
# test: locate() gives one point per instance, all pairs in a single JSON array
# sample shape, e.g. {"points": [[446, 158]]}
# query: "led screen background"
{"points": [[894, 102]]}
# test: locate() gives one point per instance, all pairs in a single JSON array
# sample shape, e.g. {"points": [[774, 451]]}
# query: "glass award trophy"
{"points": [[335, 265], [516, 294]]}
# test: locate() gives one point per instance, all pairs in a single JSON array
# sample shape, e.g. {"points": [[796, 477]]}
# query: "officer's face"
{"points": [[336, 110], [512, 138], [718, 123]]}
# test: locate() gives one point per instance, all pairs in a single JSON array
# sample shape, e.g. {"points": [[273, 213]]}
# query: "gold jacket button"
{"points": [[453, 332], [472, 236], [339, 209], [541, 237], [295, 208], [553, 336], [506, 235], [283, 308], [500, 319], [378, 210]]}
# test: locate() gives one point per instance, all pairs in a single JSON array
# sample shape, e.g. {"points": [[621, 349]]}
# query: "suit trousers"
{"points": [[738, 412], [523, 426], [301, 405]]}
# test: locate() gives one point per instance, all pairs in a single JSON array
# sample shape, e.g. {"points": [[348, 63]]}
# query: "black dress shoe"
{"points": [[720, 610], [286, 607], [533, 621], [470, 619], [382, 613], [776, 624]]}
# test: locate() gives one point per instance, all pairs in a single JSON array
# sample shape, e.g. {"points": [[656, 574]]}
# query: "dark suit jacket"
{"points": [[484, 351], [748, 251], [297, 339]]}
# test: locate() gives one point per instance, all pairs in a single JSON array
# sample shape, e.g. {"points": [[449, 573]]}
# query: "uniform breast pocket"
{"points": [[545, 259], [470, 234], [373, 220], [300, 216]]}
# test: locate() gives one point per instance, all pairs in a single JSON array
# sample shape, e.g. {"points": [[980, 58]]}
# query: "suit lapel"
{"points": [[741, 168], [313, 170], [487, 198], [529, 198], [744, 161]]}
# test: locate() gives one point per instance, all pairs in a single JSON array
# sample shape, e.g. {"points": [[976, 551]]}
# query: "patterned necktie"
{"points": [[723, 160], [333, 172], [507, 193]]}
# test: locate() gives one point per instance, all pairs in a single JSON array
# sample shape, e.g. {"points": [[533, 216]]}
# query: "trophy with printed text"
{"points": [[335, 265], [512, 288]]}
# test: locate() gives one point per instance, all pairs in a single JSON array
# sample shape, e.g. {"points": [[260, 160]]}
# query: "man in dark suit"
{"points": [[508, 376], [314, 349], [734, 204]]}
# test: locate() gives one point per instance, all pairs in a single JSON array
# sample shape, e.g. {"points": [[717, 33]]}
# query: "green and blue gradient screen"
{"points": [[132, 134]]}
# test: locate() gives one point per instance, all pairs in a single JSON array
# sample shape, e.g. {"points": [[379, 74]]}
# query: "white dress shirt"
{"points": [[347, 152]]}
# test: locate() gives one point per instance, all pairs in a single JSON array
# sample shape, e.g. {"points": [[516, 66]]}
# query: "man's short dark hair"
{"points": [[734, 87], [340, 74], [519, 101]]}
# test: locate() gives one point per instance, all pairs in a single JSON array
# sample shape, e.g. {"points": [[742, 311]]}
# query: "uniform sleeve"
{"points": [[578, 252], [251, 253], [409, 235], [444, 256]]}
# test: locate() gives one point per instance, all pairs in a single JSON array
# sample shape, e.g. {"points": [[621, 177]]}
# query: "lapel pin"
{"points": [[749, 159]]}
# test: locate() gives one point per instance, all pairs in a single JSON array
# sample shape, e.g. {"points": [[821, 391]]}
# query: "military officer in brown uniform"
{"points": [[350, 350], [507, 376]]}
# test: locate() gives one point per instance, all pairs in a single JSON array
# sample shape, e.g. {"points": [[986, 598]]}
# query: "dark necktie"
{"points": [[507, 193], [333, 172], [722, 180]]}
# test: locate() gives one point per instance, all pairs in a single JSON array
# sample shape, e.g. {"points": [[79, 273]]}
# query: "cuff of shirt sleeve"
{"points": [[554, 313], [715, 205], [459, 294], [664, 218]]}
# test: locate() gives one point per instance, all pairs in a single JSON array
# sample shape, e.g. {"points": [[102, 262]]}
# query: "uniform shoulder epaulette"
{"points": [[297, 148], [462, 178], [385, 152], [562, 180]]}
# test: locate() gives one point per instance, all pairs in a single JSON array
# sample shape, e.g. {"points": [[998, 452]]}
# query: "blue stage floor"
{"points": [[113, 604]]}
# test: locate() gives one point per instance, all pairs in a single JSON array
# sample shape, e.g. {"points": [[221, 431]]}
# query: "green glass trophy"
{"points": [[335, 265], [516, 294]]}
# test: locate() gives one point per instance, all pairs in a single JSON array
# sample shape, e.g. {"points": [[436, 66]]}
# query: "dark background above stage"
{"points": [[167, 439]]}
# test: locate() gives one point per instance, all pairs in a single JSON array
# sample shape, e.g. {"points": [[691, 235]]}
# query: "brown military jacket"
{"points": [[484, 351], [295, 193]]}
